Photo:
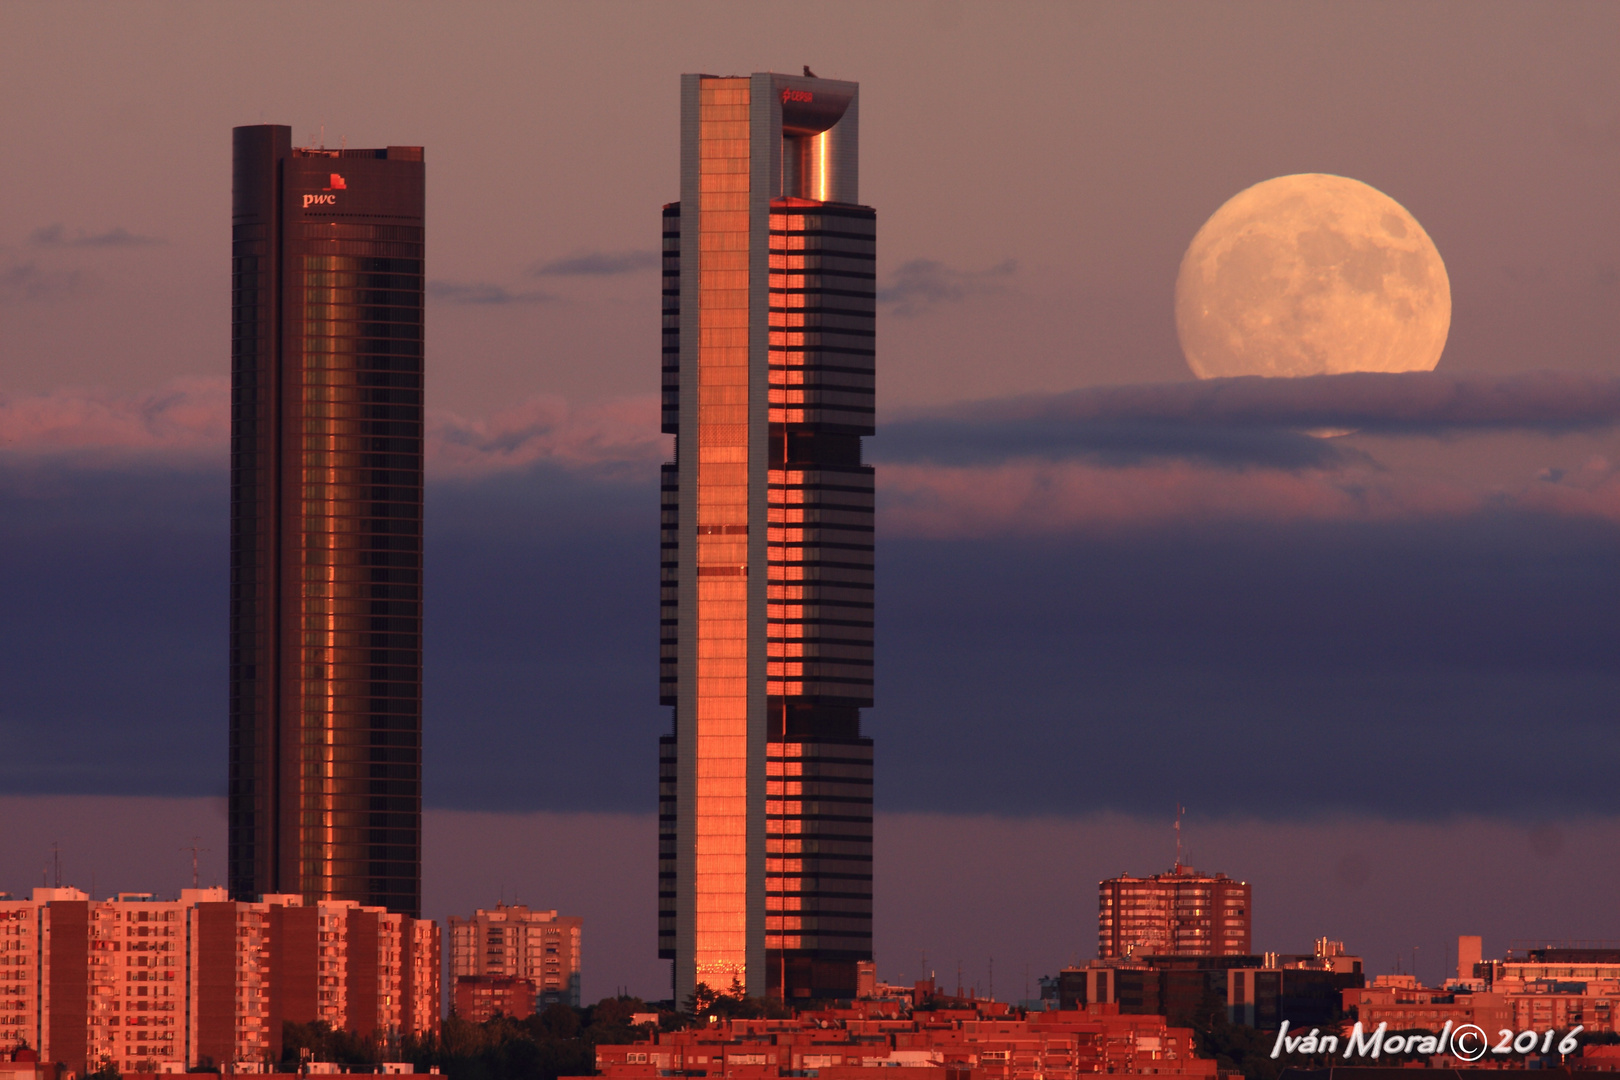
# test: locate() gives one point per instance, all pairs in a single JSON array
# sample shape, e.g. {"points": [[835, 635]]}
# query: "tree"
{"points": [[700, 1002]]}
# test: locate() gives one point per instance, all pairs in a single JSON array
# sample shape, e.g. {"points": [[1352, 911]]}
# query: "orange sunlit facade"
{"points": [[1182, 913], [767, 542]]}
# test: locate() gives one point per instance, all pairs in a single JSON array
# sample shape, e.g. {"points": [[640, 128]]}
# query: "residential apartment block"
{"points": [[540, 948], [1181, 913], [151, 985]]}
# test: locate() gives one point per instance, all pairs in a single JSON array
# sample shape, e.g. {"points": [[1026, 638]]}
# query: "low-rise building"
{"points": [[985, 1041], [1407, 1008], [1256, 990], [1545, 989], [482, 997]]}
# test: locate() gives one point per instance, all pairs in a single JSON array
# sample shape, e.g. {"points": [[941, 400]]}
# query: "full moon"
{"points": [[1311, 275]]}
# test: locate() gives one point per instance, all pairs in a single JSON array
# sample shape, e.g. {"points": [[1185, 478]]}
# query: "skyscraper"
{"points": [[765, 863], [326, 522]]}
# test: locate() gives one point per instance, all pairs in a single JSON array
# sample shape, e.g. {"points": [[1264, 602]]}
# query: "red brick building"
{"points": [[1181, 913], [483, 997], [164, 985], [986, 1041]]}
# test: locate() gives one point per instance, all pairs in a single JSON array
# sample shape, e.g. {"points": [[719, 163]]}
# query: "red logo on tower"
{"points": [[336, 184], [797, 95]]}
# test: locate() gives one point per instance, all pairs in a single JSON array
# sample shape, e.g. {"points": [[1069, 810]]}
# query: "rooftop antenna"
{"points": [[194, 848], [1179, 811], [56, 860], [323, 136]]}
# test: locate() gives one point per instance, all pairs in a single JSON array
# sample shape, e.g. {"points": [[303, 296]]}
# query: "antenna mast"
{"points": [[1179, 811], [194, 848]]}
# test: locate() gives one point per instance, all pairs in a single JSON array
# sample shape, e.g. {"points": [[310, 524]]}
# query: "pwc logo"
{"points": [[334, 183], [797, 95]]}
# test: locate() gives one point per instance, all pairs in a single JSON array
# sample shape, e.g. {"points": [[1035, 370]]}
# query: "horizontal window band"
{"points": [[812, 870], [819, 349], [821, 269], [827, 837], [814, 290], [813, 242]]}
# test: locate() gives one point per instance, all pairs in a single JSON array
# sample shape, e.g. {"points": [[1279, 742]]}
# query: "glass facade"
{"points": [[326, 522], [766, 578], [720, 816]]}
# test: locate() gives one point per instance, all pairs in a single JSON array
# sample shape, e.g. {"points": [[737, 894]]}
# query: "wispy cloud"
{"points": [[1114, 443], [455, 292], [56, 235], [1056, 497], [188, 421], [598, 264], [187, 418], [30, 281], [615, 437], [1111, 458], [924, 283]]}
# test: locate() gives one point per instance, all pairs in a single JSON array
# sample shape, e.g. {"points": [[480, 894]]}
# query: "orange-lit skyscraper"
{"points": [[765, 864], [326, 522]]}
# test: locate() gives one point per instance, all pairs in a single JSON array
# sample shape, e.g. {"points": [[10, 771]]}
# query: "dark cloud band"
{"points": [[1250, 421]]}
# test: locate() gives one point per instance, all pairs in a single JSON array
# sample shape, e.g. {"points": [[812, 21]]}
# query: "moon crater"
{"points": [[1311, 275]]}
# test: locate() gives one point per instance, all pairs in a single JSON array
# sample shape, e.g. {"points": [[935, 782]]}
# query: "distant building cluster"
{"points": [[983, 1040], [168, 985], [513, 960], [1256, 990], [1545, 988]]}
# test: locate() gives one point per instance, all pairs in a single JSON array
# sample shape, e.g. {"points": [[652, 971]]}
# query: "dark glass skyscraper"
{"points": [[765, 864], [326, 521]]}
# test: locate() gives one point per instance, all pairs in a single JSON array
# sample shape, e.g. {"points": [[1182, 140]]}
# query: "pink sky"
{"points": [[1038, 172]]}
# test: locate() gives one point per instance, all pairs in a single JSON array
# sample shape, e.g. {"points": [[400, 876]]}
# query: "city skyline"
{"points": [[1106, 589]]}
